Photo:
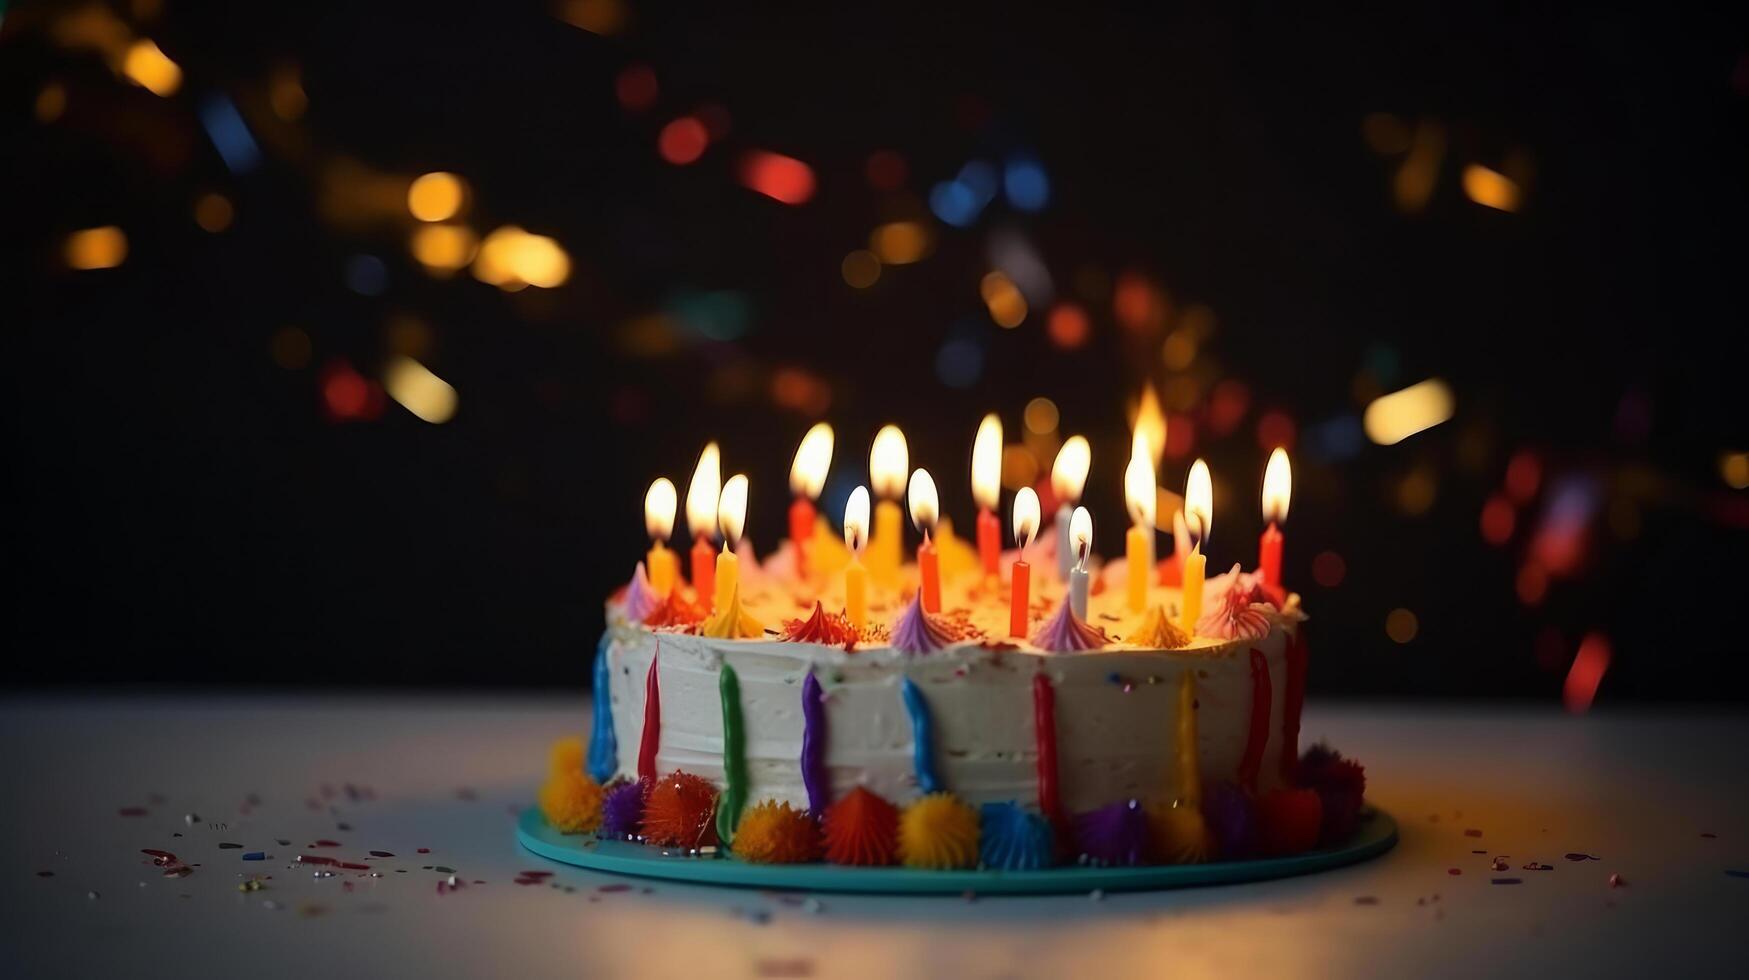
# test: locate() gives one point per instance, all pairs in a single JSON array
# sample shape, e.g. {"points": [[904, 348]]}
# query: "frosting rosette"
{"points": [[861, 829], [938, 831], [776, 833], [1158, 632], [1237, 613], [640, 600], [1014, 839], [1067, 633], [919, 631]]}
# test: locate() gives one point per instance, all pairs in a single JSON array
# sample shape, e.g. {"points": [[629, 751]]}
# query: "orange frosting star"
{"points": [[862, 829]]}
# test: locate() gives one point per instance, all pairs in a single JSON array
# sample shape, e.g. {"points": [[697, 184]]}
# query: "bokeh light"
{"points": [[1385, 133], [1067, 326], [366, 275], [1006, 304], [1179, 350], [97, 248], [781, 178], [444, 249], [1040, 416], [285, 93], [1025, 183], [1020, 466], [1532, 583], [1490, 188], [900, 242], [1583, 678], [51, 103], [1276, 428], [861, 269], [148, 67], [636, 88], [1392, 418], [1329, 569], [511, 258], [427, 396], [436, 196], [1524, 476], [213, 212], [1139, 305], [1417, 491], [1498, 520], [604, 17], [1734, 470], [683, 141], [1401, 625]]}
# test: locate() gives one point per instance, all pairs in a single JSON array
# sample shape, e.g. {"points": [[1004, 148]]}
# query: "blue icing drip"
{"points": [[603, 746], [1013, 839], [922, 736]]}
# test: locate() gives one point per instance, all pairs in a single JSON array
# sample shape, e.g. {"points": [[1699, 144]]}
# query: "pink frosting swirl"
{"points": [[1067, 633], [918, 631], [1235, 613], [640, 600]]}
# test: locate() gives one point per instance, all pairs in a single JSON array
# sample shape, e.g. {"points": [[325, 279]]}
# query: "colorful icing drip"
{"points": [[1158, 632], [652, 721], [1180, 834], [922, 736], [734, 795], [776, 833], [1066, 633], [732, 622], [814, 745], [938, 831], [824, 628], [603, 743], [1114, 835], [919, 631], [861, 829], [1235, 615], [1185, 743], [1044, 729], [1293, 702], [571, 802], [1252, 762], [640, 599], [1012, 839], [677, 813], [622, 812]]}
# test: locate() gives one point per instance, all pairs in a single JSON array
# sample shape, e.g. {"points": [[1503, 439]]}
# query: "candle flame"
{"points": [[732, 510], [888, 462], [987, 463], [1069, 472], [813, 458], [1278, 484], [1150, 425], [1081, 536], [925, 505], [856, 520], [1139, 492], [1026, 517], [659, 503], [1199, 503], [702, 493]]}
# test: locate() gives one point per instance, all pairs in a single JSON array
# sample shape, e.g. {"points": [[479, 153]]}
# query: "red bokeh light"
{"points": [[348, 395], [1180, 435], [886, 170], [1524, 474], [778, 177], [1228, 405], [636, 88], [800, 391], [1498, 520], [1586, 673], [1533, 583], [1068, 327], [1136, 303], [683, 141], [1274, 429], [1328, 569]]}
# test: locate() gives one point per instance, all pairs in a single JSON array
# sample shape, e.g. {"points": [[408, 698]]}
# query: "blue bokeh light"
{"points": [[1026, 185]]}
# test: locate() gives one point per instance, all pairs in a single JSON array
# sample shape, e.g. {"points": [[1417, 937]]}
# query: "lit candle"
{"points": [[987, 491], [1026, 515], [888, 463], [855, 576], [1277, 486], [1199, 505], [1081, 540], [806, 476], [925, 509], [1139, 495], [701, 520], [1068, 477], [731, 517], [659, 504]]}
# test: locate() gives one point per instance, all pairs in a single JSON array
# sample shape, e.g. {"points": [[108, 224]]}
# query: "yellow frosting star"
{"points": [[732, 622], [938, 831], [1158, 631]]}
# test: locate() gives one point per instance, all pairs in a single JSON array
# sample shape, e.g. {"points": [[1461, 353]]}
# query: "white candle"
{"points": [[1081, 542], [1068, 477]]}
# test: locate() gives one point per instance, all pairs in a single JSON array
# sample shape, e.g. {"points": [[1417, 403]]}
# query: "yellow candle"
{"points": [[728, 577], [1194, 565], [1139, 556], [855, 576], [886, 546], [731, 519], [664, 568], [659, 505], [1139, 495], [889, 462]]}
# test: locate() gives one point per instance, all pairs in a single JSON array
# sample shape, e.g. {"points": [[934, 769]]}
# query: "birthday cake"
{"points": [[1010, 709]]}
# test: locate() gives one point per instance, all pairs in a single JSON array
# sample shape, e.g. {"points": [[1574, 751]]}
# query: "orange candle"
{"points": [[925, 511], [1026, 518], [659, 505], [1139, 495], [704, 572], [801, 528]]}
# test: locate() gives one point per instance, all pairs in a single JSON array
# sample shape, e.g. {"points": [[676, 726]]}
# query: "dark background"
{"points": [[186, 508]]}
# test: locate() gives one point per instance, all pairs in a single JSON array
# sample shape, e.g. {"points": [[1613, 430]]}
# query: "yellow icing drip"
{"points": [[1157, 631], [732, 622], [940, 832]]}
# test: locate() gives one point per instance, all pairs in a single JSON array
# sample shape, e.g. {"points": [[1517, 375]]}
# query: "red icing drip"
{"points": [[1044, 727], [1252, 763], [1294, 701], [652, 722]]}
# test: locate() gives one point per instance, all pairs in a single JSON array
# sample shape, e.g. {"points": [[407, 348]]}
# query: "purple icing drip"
{"points": [[623, 810], [814, 745]]}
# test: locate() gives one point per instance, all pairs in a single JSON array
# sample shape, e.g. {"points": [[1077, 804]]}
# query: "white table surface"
{"points": [[1638, 790]]}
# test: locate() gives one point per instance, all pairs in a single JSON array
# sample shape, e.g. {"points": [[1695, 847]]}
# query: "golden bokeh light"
{"points": [[51, 102], [436, 196], [97, 248], [1007, 306], [511, 258], [1394, 417], [426, 395], [148, 67], [1490, 188], [1179, 350], [1401, 625], [900, 242], [285, 93], [443, 249], [213, 212], [1019, 466], [1419, 174], [1041, 416], [861, 269], [1734, 468], [1385, 133], [604, 17]]}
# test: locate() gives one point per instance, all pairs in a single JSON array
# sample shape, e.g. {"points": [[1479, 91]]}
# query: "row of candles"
{"points": [[715, 508]]}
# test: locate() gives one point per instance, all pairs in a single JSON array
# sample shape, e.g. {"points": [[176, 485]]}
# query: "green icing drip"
{"points": [[734, 796]]}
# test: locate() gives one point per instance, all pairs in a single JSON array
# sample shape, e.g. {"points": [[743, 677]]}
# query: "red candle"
{"points": [[989, 541], [1019, 598], [801, 530], [1269, 556], [929, 569], [1277, 488], [704, 572]]}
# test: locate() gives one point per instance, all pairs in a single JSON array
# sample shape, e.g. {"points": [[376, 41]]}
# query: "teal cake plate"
{"points": [[1377, 834]]}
